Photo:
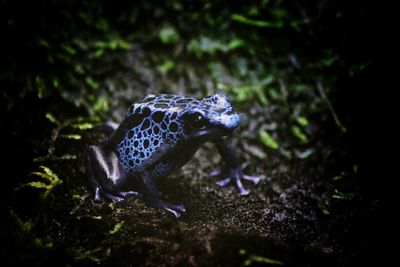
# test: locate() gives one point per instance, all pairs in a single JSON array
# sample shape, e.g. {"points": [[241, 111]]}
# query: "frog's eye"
{"points": [[196, 121]]}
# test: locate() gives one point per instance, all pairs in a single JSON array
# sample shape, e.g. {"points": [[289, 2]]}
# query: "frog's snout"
{"points": [[228, 122], [233, 121]]}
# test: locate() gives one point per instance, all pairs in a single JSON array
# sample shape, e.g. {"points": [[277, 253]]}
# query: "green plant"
{"points": [[48, 181]]}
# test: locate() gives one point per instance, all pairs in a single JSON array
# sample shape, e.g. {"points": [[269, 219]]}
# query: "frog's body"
{"points": [[157, 137]]}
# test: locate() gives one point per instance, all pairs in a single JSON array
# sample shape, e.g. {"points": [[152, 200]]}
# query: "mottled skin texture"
{"points": [[157, 137]]}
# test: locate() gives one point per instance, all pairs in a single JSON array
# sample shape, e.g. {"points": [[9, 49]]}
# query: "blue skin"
{"points": [[157, 137]]}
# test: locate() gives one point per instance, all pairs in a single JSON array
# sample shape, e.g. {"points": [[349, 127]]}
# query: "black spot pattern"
{"points": [[145, 124], [157, 120], [158, 116], [173, 127]]}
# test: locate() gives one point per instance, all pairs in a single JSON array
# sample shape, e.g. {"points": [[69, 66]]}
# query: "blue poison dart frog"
{"points": [[157, 137]]}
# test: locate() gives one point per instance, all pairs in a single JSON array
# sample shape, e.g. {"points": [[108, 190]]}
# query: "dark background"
{"points": [[90, 60]]}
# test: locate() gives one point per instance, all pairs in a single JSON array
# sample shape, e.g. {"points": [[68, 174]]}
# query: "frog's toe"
{"points": [[97, 194], [214, 173], [254, 179], [237, 180], [131, 193], [176, 210], [112, 197], [224, 182], [236, 175], [242, 189]]}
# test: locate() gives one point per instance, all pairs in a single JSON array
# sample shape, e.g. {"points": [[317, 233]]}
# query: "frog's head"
{"points": [[211, 118]]}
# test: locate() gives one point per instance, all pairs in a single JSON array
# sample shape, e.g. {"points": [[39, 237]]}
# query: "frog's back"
{"points": [[149, 124]]}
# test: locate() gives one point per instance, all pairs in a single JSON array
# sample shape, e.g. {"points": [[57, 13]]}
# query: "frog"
{"points": [[157, 136]]}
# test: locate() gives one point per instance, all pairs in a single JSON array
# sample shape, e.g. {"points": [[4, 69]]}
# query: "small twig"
{"points": [[284, 93], [329, 104], [54, 135]]}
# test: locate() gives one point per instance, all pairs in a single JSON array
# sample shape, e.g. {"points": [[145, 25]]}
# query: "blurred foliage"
{"points": [[267, 140], [89, 255], [29, 236], [342, 195], [168, 35], [53, 47], [67, 129], [299, 133]]}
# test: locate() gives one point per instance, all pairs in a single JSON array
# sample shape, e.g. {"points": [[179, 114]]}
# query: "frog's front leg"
{"points": [[152, 196], [105, 174], [232, 171]]}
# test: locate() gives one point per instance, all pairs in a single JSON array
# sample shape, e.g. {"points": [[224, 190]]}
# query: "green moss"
{"points": [[267, 140], [48, 182], [116, 228]]}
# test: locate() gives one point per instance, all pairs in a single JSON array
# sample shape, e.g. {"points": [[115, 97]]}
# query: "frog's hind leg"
{"points": [[104, 173], [109, 127], [116, 197], [99, 192], [95, 186]]}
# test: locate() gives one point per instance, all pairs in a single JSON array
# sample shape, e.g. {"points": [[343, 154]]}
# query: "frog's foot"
{"points": [[118, 197], [131, 193], [235, 175], [177, 210], [99, 194]]}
